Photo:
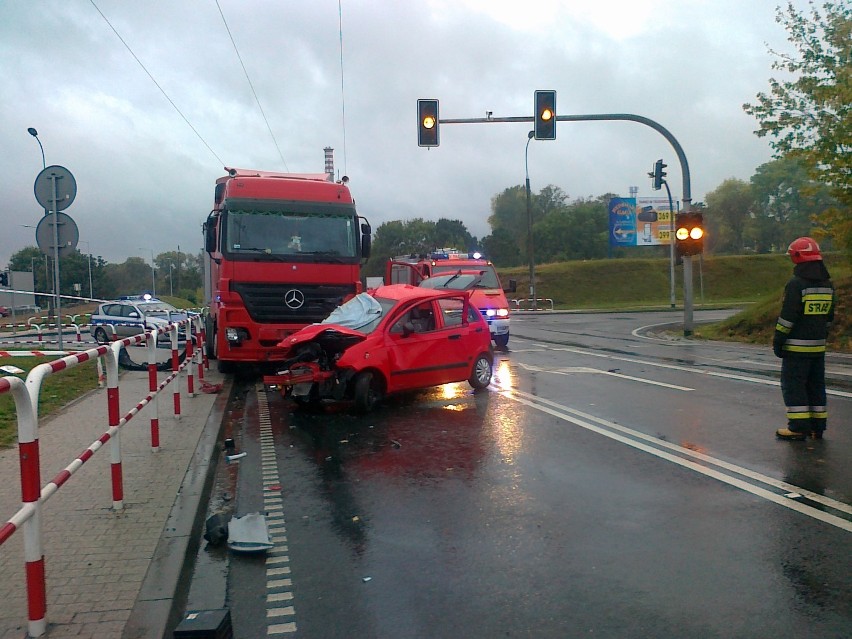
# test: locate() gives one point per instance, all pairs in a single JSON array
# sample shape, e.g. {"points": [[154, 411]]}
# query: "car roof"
{"points": [[405, 292]]}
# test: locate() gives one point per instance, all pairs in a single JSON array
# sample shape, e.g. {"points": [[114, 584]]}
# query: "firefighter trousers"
{"points": [[803, 389]]}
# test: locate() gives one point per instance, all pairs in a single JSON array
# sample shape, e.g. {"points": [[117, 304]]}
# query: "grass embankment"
{"points": [[754, 282], [58, 389]]}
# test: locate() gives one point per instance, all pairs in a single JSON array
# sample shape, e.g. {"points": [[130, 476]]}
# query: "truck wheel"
{"points": [[502, 340], [101, 336], [210, 338], [368, 392], [480, 377]]}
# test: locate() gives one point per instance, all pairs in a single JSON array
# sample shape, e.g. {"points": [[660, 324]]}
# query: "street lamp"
{"points": [[34, 133], [530, 136], [153, 273], [89, 256], [171, 287]]}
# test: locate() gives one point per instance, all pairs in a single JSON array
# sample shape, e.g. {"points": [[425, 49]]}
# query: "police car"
{"points": [[130, 316]]}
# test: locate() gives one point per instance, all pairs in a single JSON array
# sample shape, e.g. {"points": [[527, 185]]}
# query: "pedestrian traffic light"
{"points": [[689, 233], [4, 279], [427, 123], [658, 174], [545, 115]]}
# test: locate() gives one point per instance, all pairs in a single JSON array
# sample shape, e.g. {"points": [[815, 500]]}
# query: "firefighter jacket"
{"points": [[806, 312]]}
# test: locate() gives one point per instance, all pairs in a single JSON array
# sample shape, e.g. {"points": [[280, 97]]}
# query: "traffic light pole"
{"points": [[684, 167]]}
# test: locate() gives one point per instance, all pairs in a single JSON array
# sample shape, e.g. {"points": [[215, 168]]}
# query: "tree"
{"points": [[452, 234], [810, 116], [785, 202], [730, 207]]}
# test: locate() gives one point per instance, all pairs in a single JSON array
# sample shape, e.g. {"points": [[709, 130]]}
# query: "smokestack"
{"points": [[329, 161]]}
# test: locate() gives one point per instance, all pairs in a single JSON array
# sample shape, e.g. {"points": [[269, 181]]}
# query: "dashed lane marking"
{"points": [[278, 583]]}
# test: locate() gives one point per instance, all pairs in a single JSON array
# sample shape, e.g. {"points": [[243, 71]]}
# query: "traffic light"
{"points": [[4, 279], [658, 174], [689, 233], [427, 123], [545, 115]]}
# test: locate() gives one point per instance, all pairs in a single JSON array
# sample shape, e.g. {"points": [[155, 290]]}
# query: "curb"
{"points": [[159, 605]]}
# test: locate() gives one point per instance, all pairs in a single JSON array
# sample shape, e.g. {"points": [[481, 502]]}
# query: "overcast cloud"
{"points": [[145, 179]]}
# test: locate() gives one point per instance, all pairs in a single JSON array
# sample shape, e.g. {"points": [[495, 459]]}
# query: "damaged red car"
{"points": [[392, 339]]}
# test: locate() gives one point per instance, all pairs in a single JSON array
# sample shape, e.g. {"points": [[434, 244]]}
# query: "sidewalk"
{"points": [[114, 574]]}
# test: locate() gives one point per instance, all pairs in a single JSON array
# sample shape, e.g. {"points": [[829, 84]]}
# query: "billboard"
{"points": [[644, 221]]}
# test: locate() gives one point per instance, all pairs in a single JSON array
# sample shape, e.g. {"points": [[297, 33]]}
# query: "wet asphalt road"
{"points": [[608, 484]]}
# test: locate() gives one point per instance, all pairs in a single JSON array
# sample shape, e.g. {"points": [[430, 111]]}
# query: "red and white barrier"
{"points": [[33, 496]]}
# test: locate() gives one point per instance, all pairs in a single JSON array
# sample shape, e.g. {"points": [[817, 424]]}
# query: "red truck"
{"points": [[487, 293], [284, 250]]}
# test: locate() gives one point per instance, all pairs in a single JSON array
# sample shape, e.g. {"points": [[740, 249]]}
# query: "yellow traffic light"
{"points": [[427, 123], [545, 115], [696, 233], [682, 233]]}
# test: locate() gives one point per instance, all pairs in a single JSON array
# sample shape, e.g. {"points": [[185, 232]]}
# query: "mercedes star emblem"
{"points": [[294, 298]]}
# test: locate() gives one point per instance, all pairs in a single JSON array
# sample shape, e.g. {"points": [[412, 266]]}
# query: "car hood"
{"points": [[329, 336]]}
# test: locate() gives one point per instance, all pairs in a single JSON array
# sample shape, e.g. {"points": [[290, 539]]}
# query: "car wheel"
{"points": [[368, 392], [502, 340], [480, 377], [101, 336]]}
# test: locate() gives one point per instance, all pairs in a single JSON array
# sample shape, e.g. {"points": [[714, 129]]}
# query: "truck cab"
{"points": [[470, 270]]}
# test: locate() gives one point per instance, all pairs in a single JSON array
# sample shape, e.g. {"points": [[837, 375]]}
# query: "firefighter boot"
{"points": [[790, 435]]}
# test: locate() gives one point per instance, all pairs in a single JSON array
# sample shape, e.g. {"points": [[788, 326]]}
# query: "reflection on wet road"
{"points": [[558, 503]]}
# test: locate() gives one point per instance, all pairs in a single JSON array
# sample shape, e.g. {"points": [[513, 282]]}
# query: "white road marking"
{"points": [[678, 367], [633, 438], [277, 561], [584, 369]]}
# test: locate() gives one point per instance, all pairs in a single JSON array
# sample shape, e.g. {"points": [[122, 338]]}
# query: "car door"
{"points": [[429, 355], [132, 322]]}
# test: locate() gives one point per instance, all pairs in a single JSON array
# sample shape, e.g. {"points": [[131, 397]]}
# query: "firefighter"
{"points": [[800, 335]]}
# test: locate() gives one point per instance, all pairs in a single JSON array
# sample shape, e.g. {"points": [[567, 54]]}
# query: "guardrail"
{"points": [[26, 397], [521, 304]]}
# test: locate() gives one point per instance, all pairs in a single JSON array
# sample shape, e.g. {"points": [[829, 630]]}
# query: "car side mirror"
{"points": [[133, 314], [407, 329]]}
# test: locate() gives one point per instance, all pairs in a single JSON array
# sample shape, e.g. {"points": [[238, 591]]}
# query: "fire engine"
{"points": [[283, 251], [488, 294]]}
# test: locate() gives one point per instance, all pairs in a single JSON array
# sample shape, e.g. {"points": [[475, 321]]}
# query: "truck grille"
{"points": [[267, 303]]}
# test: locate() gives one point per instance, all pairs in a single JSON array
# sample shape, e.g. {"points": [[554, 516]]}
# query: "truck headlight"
{"points": [[235, 335]]}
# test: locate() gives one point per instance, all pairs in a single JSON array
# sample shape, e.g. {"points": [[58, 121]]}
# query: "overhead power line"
{"points": [[254, 93], [127, 46]]}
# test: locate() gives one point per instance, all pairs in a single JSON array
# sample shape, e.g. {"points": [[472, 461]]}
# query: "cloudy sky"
{"points": [[145, 164]]}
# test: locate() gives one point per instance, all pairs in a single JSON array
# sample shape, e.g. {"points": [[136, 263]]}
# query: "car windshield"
{"points": [[362, 313], [157, 308], [489, 275], [454, 281]]}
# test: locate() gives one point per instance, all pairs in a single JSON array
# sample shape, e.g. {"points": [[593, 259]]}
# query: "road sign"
{"points": [[66, 188], [66, 233]]}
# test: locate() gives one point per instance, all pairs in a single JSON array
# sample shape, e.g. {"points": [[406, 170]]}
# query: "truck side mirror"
{"points": [[513, 286], [210, 234]]}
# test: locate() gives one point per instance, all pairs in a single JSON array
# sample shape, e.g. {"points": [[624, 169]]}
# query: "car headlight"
{"points": [[490, 312], [502, 312]]}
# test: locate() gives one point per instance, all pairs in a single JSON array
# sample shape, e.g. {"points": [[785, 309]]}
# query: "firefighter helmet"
{"points": [[804, 249]]}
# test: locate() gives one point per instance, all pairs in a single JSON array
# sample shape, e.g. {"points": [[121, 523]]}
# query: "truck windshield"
{"points": [[489, 275], [281, 233]]}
